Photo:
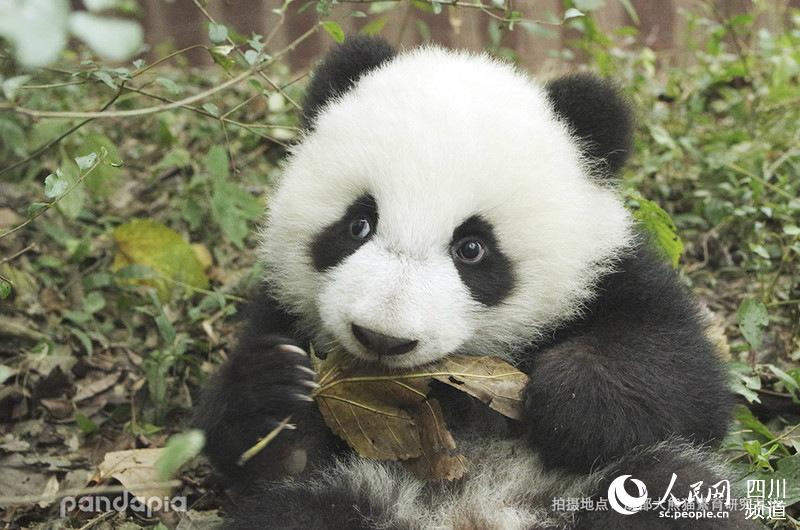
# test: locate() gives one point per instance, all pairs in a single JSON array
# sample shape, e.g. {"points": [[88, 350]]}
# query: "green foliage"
{"points": [[179, 449], [659, 225], [753, 318], [334, 30], [164, 251]]}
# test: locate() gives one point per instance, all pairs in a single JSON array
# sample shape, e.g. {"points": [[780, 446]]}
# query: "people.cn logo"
{"points": [[622, 502]]}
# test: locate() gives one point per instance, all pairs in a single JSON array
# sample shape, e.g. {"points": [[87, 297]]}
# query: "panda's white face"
{"points": [[438, 207]]}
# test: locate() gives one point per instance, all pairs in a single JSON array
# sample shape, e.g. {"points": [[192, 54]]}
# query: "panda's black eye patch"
{"points": [[482, 266], [343, 237]]}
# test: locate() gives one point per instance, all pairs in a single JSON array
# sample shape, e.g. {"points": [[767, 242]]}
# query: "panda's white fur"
{"points": [[423, 134], [506, 488]]}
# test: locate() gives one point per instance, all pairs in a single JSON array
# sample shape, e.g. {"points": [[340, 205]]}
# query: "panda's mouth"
{"points": [[380, 344]]}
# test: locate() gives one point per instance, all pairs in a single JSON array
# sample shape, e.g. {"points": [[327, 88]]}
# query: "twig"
{"points": [[261, 74], [17, 254], [250, 127], [144, 111], [50, 204], [52, 142], [263, 442]]}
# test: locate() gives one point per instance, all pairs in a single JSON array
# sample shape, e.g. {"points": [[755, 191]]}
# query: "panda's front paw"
{"points": [[275, 379], [302, 385]]}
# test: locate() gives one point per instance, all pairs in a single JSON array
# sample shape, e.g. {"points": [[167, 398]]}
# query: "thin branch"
{"points": [[230, 41], [17, 254], [54, 141], [250, 127], [52, 203], [144, 111]]}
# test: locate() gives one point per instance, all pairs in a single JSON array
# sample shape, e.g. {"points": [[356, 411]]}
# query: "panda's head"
{"points": [[443, 202]]}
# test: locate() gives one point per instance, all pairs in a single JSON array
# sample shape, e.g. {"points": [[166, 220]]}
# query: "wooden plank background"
{"points": [[661, 26]]}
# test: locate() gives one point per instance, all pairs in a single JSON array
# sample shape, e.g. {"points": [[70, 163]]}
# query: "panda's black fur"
{"points": [[629, 386]]}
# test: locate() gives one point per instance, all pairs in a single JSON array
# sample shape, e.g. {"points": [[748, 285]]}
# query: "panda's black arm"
{"points": [[636, 369], [266, 379]]}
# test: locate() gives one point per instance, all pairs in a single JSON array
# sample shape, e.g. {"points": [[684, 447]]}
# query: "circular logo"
{"points": [[621, 501]]}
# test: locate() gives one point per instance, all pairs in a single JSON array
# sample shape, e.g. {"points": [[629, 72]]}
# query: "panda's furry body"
{"points": [[444, 203]]}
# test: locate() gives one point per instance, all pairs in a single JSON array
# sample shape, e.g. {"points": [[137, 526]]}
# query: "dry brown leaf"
{"points": [[388, 416], [135, 470], [439, 459], [87, 390], [374, 416], [489, 379]]}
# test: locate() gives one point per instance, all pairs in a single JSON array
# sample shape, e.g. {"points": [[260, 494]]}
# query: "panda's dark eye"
{"points": [[469, 250], [360, 228]]}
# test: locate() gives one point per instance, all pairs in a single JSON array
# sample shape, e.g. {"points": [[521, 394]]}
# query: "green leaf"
{"points": [[170, 85], [106, 177], [790, 383], [753, 318], [217, 33], [84, 338], [251, 56], [626, 4], [573, 13], [749, 421], [85, 424], [165, 328], [662, 230], [179, 449], [153, 245], [5, 289], [334, 30], [35, 208], [216, 162], [106, 78], [93, 302], [788, 468], [55, 185], [744, 381], [70, 204], [85, 162], [211, 109], [231, 206], [374, 26]]}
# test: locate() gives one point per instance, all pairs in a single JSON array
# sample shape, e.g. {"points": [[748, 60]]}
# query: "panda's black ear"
{"points": [[341, 69], [598, 114]]}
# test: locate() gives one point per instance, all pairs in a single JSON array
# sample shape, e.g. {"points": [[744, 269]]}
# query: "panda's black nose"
{"points": [[382, 344]]}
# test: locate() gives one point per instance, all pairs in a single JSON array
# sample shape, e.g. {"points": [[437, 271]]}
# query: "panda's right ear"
{"points": [[339, 71], [598, 114]]}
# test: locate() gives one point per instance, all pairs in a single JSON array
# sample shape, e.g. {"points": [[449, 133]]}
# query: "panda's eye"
{"points": [[360, 228], [469, 250]]}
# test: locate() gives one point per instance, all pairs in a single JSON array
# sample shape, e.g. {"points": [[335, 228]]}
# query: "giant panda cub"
{"points": [[443, 203]]}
